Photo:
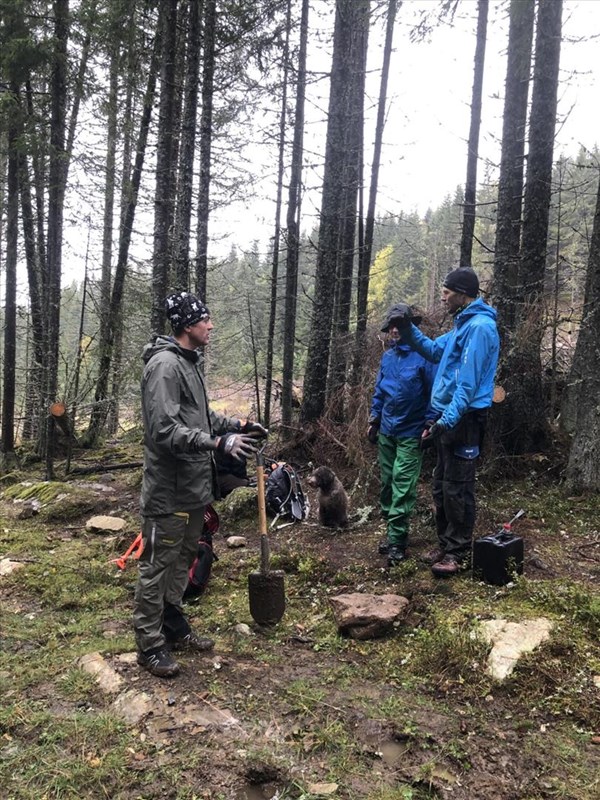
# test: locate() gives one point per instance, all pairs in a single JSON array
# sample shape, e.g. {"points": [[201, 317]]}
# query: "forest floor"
{"points": [[296, 710]]}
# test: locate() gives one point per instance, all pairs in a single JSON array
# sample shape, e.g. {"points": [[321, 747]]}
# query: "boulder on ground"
{"points": [[367, 616], [7, 566], [239, 506], [107, 679], [510, 640], [236, 541], [105, 524]]}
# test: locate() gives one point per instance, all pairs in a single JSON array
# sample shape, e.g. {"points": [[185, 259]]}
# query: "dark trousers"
{"points": [[458, 452]]}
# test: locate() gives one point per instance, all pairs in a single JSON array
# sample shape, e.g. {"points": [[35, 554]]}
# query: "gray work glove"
{"points": [[254, 429], [237, 445]]}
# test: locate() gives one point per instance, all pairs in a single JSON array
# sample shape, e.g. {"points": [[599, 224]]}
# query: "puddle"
{"points": [[258, 792], [392, 752]]}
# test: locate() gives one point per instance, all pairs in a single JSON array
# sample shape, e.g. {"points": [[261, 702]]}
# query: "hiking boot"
{"points": [[192, 641], [447, 567], [396, 555], [158, 662], [433, 556], [383, 547]]}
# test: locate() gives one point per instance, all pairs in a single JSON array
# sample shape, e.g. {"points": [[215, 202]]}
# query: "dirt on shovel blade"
{"points": [[266, 595]]}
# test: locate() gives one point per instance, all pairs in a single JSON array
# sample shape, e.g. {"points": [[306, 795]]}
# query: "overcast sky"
{"points": [[424, 155]]}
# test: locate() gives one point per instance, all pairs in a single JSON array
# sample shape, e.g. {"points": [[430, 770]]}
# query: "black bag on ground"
{"points": [[200, 570], [284, 495]]}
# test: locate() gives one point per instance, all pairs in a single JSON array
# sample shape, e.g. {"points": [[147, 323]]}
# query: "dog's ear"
{"points": [[328, 478]]}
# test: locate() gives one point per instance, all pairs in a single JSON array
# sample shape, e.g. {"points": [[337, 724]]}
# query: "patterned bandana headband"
{"points": [[183, 309]]}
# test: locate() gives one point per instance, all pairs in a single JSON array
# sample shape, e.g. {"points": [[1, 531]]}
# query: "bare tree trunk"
{"points": [[56, 192], [510, 187], [292, 238], [277, 233], [366, 251], [33, 217], [80, 354], [583, 470], [109, 190], [208, 74], [112, 420], [98, 416], [468, 228], [164, 192], [553, 400], [10, 290], [350, 14], [38, 171], [176, 177], [32, 257], [527, 429], [341, 344], [188, 143]]}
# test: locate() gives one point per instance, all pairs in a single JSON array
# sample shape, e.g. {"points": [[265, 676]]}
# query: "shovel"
{"points": [[266, 593]]}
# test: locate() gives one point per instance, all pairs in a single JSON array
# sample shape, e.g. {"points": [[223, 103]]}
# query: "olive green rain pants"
{"points": [[400, 466], [170, 546]]}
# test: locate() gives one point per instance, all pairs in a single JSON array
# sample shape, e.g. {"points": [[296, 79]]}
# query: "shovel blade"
{"points": [[266, 596]]}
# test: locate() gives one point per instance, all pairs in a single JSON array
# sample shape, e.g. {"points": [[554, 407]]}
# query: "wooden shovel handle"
{"points": [[262, 506]]}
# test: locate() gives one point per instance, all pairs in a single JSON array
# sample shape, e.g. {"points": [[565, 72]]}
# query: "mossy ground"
{"points": [[408, 717]]}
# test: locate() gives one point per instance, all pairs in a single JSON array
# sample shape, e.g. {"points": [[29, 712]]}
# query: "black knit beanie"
{"points": [[462, 280]]}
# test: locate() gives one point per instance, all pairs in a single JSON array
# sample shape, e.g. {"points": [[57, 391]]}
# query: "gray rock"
{"points": [[107, 679], [241, 629], [236, 541], [7, 566], [102, 488], [241, 504], [367, 616], [30, 509], [132, 706], [510, 640], [104, 524]]}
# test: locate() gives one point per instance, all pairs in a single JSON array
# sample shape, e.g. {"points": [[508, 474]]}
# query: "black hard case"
{"points": [[498, 557]]}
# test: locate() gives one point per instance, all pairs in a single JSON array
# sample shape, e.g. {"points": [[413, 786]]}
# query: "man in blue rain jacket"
{"points": [[467, 357]]}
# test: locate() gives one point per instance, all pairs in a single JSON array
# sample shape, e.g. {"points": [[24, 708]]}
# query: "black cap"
{"points": [[462, 280], [183, 309], [401, 311]]}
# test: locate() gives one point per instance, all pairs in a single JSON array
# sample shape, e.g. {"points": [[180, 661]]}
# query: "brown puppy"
{"points": [[332, 498]]}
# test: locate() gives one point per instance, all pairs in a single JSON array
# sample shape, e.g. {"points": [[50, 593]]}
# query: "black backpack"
{"points": [[284, 495], [200, 570]]}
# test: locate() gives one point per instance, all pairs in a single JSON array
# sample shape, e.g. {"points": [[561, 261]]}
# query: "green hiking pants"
{"points": [[170, 546], [400, 465]]}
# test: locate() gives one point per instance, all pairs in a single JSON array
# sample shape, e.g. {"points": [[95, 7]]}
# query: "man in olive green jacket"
{"points": [[181, 433]]}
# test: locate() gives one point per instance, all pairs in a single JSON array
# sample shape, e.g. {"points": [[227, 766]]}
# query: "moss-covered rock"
{"points": [[44, 491], [59, 501], [239, 506]]}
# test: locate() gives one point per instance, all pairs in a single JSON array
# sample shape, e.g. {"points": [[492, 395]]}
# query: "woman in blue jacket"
{"points": [[399, 411]]}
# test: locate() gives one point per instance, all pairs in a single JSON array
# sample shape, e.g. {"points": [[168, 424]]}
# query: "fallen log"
{"points": [[105, 468]]}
